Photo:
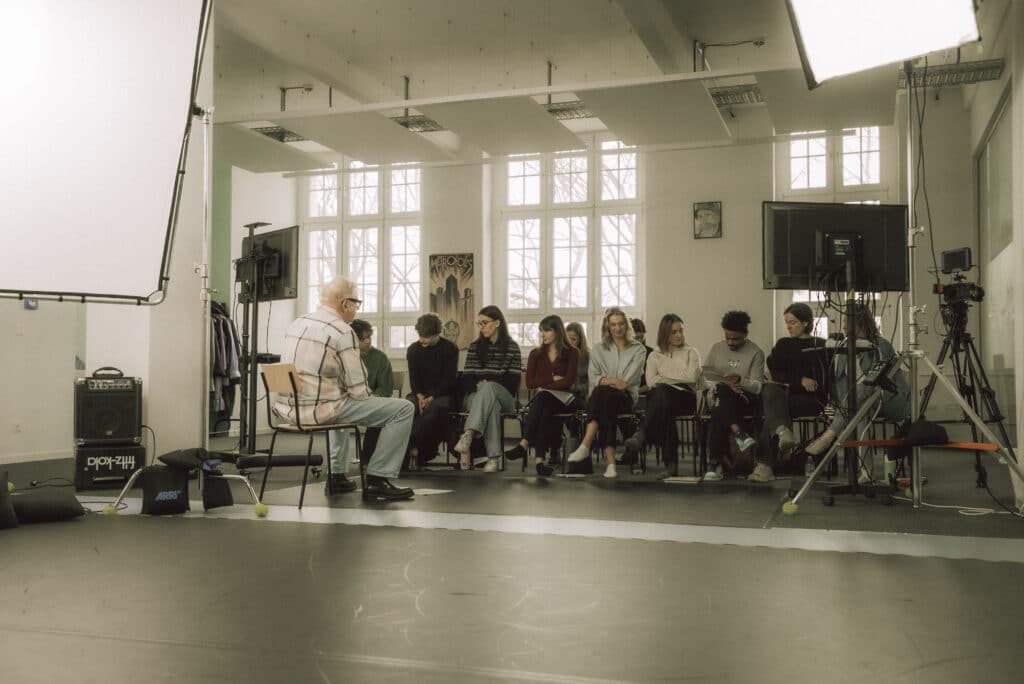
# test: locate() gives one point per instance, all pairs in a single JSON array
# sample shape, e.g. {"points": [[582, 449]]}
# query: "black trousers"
{"points": [[730, 408], [429, 427], [780, 408], [604, 405], [541, 429], [664, 403]]}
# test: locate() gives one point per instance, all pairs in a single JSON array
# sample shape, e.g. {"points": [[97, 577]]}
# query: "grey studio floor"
{"points": [[511, 577]]}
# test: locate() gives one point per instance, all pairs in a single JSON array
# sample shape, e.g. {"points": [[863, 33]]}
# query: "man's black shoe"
{"points": [[338, 484], [381, 488]]}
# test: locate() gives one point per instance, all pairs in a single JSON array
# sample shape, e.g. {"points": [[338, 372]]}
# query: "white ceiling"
{"points": [[355, 54]]}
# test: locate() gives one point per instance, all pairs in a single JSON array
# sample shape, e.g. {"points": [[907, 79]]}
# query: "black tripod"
{"points": [[970, 378]]}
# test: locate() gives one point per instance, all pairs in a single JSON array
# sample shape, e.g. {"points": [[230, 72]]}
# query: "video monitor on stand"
{"points": [[268, 270], [834, 247]]}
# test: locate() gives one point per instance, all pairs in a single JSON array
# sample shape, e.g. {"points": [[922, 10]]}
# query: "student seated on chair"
{"points": [[433, 371], [673, 370], [739, 363], [615, 368], [491, 378], [895, 406], [551, 366], [379, 378], [798, 388], [325, 351], [577, 337]]}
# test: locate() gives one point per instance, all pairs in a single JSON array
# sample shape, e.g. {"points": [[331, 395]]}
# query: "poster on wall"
{"points": [[452, 296], [707, 220]]}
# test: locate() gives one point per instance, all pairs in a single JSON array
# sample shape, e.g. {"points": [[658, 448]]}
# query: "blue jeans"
{"points": [[895, 407], [393, 416], [485, 407]]}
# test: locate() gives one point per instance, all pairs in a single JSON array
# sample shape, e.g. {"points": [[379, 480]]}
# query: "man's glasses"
{"points": [[357, 302]]}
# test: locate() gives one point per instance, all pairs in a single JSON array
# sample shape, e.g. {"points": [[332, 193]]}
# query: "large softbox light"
{"points": [[96, 109], [840, 37]]}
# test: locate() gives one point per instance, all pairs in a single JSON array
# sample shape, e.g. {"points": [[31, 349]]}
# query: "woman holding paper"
{"points": [[551, 371], [673, 370]]}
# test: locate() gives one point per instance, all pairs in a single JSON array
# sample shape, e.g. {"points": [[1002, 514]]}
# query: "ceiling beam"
{"points": [[668, 45], [304, 50]]}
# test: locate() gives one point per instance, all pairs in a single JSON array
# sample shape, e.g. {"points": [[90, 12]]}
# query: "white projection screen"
{"points": [[96, 105]]}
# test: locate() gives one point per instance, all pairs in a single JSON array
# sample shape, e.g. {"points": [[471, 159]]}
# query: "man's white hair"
{"points": [[339, 289]]}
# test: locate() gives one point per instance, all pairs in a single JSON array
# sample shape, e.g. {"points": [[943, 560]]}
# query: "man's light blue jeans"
{"points": [[393, 416]]}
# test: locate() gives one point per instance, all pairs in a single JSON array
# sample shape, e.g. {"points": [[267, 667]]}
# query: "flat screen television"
{"points": [[806, 246], [278, 253]]}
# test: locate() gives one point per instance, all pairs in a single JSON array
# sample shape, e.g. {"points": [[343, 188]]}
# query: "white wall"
{"points": [[702, 279], [38, 357]]}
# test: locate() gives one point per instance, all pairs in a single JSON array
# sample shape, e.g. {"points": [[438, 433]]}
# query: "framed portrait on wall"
{"points": [[707, 220], [452, 296]]}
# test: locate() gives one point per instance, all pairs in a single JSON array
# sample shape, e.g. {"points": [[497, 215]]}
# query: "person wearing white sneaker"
{"points": [[735, 371], [799, 371], [491, 378], [615, 367]]}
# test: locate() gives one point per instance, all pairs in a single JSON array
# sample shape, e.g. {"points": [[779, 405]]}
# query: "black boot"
{"points": [[337, 483], [544, 470], [515, 453], [381, 488]]}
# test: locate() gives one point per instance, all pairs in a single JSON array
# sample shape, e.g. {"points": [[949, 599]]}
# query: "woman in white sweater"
{"points": [[673, 370]]}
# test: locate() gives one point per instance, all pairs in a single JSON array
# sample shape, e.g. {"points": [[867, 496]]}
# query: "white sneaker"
{"points": [[762, 473], [464, 443], [864, 477], [714, 474], [787, 440], [491, 466], [582, 453], [610, 471], [821, 444]]}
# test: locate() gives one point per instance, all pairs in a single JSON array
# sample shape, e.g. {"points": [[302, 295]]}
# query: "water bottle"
{"points": [[809, 466]]}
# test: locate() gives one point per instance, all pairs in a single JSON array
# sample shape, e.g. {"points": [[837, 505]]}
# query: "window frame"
{"points": [[593, 209], [342, 225]]}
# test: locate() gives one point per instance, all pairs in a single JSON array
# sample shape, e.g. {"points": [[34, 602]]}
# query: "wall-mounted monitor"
{"points": [[807, 245], [277, 253]]}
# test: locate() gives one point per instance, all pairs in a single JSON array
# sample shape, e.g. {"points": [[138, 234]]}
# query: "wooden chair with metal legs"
{"points": [[282, 379]]}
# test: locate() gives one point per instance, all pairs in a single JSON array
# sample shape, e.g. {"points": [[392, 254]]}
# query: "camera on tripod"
{"points": [[954, 261]]}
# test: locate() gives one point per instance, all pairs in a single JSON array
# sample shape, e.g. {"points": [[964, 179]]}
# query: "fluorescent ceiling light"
{"points": [[839, 37]]}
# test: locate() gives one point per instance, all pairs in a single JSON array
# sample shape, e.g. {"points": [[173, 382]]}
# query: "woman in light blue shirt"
{"points": [[616, 364]]}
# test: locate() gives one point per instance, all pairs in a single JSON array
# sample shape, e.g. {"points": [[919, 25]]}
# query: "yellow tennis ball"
{"points": [[10, 486], [109, 510], [790, 508], [261, 510]]}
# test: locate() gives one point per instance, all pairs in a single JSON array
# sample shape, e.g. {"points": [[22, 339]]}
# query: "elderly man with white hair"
{"points": [[325, 351]]}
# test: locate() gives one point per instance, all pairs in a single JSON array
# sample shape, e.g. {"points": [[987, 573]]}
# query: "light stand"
{"points": [[251, 265], [852, 485]]}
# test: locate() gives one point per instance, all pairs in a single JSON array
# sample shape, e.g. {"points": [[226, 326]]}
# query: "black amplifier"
{"points": [[106, 467], [108, 409]]}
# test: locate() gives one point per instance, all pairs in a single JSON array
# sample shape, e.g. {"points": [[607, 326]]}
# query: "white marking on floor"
{"points": [[842, 541]]}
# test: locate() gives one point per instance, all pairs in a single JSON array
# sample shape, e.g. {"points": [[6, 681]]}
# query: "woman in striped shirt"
{"points": [[491, 377]]}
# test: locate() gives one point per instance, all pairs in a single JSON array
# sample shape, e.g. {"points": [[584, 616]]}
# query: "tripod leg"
{"points": [[855, 421], [988, 397], [930, 387]]}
